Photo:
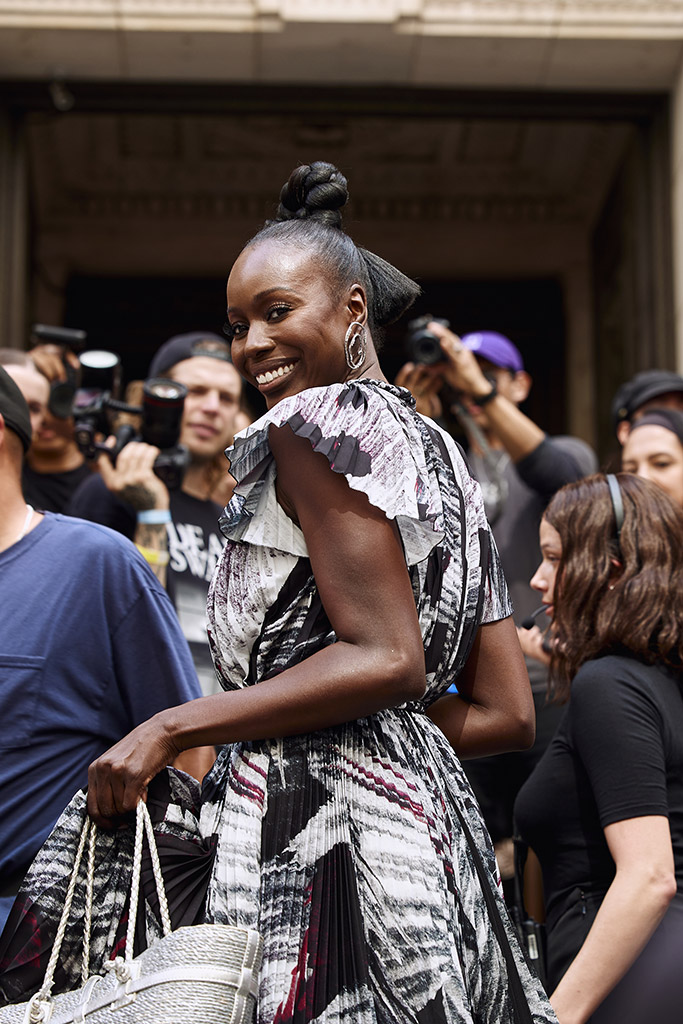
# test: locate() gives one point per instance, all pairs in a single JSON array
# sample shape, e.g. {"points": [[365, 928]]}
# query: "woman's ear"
{"points": [[357, 303], [616, 569]]}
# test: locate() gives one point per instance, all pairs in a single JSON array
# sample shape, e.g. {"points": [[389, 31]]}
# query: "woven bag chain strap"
{"points": [[89, 829], [87, 916], [143, 823]]}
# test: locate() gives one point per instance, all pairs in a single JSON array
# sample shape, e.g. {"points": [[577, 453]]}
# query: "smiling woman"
{"points": [[359, 580]]}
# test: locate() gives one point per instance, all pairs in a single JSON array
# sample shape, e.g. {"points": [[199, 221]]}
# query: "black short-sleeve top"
{"points": [[617, 754]]}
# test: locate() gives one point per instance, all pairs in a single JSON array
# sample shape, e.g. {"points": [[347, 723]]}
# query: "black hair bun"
{"points": [[316, 191]]}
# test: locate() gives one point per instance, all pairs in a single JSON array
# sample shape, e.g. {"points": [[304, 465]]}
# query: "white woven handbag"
{"points": [[201, 974]]}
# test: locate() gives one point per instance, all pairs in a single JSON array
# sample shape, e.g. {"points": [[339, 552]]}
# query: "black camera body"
{"points": [[90, 396], [423, 346], [161, 411]]}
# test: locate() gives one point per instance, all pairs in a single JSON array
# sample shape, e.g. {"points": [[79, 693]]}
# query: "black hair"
{"points": [[309, 215]]}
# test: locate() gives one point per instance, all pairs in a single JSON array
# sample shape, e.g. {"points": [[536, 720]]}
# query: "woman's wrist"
{"points": [[166, 723]]}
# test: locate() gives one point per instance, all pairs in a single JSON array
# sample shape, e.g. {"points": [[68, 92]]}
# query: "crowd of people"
{"points": [[321, 630]]}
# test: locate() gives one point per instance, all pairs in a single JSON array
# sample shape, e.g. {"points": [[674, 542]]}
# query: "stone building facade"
{"points": [[523, 159]]}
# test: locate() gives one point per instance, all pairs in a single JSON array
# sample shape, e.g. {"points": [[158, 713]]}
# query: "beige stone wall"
{"points": [[550, 44], [493, 198]]}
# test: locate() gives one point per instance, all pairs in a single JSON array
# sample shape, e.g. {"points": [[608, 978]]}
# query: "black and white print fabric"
{"points": [[343, 847]]}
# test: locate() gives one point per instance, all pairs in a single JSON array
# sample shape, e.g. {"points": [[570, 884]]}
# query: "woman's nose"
{"points": [[537, 581], [258, 339]]}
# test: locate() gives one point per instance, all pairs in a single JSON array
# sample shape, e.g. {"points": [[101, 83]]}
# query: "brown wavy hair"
{"points": [[605, 608]]}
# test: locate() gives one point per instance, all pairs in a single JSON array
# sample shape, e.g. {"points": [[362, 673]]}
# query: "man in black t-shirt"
{"points": [[177, 532]]}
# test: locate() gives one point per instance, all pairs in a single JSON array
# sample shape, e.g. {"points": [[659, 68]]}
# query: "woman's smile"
{"points": [[274, 375]]}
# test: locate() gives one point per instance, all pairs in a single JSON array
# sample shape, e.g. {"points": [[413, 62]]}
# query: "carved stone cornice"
{"points": [[191, 208], [612, 18]]}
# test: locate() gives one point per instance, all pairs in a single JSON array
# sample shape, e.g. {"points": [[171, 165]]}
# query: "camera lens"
{"points": [[426, 349], [164, 389], [99, 359], [162, 409]]}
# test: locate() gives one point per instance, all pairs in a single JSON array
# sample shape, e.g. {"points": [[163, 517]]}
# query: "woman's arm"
{"points": [[377, 662], [493, 710], [633, 906]]}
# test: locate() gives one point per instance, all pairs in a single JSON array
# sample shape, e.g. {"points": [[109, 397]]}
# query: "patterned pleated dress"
{"points": [[345, 848]]}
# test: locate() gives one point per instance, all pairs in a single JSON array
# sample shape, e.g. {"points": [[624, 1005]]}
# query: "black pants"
{"points": [[651, 992]]}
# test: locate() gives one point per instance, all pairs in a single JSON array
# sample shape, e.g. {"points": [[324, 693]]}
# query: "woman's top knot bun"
{"points": [[316, 191]]}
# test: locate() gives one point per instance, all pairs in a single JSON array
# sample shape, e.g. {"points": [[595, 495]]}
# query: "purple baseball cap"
{"points": [[496, 348]]}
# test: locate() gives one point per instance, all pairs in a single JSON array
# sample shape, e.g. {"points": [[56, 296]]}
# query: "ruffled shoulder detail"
{"points": [[368, 431]]}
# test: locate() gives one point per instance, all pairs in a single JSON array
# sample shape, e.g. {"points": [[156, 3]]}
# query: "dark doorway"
{"points": [[134, 316], [529, 312]]}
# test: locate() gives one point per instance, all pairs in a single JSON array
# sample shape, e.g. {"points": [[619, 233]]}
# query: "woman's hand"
{"points": [[118, 780], [531, 641], [424, 384]]}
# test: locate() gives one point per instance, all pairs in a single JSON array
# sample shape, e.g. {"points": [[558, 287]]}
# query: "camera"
{"points": [[161, 412], [423, 346], [90, 396]]}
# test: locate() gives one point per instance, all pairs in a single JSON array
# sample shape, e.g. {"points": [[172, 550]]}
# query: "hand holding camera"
{"points": [[459, 367], [133, 477], [424, 385], [438, 358]]}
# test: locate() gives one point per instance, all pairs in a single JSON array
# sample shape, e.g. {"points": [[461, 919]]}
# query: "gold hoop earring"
{"points": [[355, 345]]}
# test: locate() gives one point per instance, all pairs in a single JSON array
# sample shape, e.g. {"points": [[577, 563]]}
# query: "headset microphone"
{"points": [[530, 620]]}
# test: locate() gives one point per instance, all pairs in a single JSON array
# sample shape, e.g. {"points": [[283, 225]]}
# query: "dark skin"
{"points": [[355, 552]]}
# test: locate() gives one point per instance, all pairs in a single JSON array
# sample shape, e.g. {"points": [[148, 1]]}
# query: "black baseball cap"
{"points": [[643, 388], [14, 409], [187, 346]]}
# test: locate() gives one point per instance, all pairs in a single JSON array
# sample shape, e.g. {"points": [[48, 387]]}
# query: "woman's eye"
{"points": [[235, 330], [277, 311]]}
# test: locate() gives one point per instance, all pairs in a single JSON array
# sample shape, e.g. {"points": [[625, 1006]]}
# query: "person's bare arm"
{"points": [[516, 432], [633, 906], [376, 662], [493, 710]]}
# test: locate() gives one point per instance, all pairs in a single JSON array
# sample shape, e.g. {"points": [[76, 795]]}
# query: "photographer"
{"points": [[54, 466], [177, 531], [519, 468]]}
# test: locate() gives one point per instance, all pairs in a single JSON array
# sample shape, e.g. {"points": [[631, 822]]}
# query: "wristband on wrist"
{"points": [[154, 516], [153, 557], [485, 399]]}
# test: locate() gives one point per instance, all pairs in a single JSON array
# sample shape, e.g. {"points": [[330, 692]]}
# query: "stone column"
{"points": [[13, 232], [580, 362], [677, 211]]}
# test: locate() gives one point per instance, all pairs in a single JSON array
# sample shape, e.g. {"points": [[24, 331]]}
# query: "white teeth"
{"points": [[269, 375]]}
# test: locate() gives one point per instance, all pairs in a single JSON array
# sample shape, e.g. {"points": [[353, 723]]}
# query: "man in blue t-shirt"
{"points": [[90, 646]]}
